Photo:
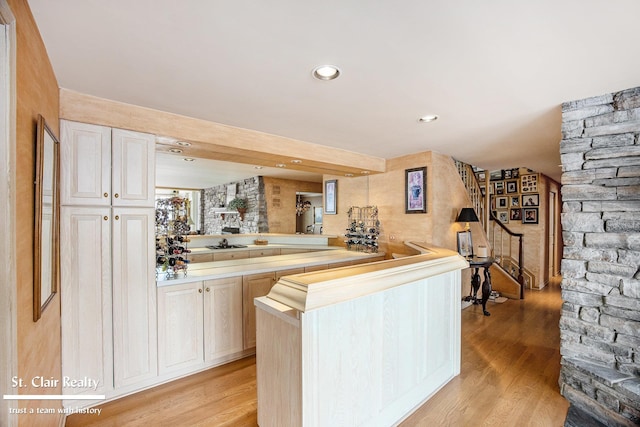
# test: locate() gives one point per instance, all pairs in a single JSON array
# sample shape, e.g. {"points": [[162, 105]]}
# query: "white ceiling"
{"points": [[496, 72]]}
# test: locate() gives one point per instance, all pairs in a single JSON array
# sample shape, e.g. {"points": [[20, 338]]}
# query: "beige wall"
{"points": [[37, 93], [446, 195]]}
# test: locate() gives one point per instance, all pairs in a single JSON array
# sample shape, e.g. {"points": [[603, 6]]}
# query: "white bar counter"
{"points": [[359, 346]]}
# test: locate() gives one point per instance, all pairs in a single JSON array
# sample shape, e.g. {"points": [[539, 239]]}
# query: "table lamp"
{"points": [[467, 215]]}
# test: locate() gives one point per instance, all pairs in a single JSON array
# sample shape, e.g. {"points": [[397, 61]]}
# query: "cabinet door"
{"points": [[253, 286], [85, 164], [133, 176], [85, 266], [257, 253], [134, 296], [222, 317], [180, 326]]}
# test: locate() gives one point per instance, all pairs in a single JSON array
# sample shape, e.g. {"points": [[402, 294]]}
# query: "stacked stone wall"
{"points": [[254, 221], [600, 321]]}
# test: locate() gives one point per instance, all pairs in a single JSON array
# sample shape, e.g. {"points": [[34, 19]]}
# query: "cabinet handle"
{"points": [[200, 290], [106, 218], [208, 289], [106, 194], [116, 195], [117, 217]]}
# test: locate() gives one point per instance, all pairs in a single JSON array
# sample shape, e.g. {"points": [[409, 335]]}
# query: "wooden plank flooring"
{"points": [[509, 377]]}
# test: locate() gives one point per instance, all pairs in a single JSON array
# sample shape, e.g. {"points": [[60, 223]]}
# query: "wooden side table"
{"points": [[477, 263]]}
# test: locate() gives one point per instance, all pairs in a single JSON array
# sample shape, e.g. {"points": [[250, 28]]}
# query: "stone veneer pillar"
{"points": [[600, 321]]}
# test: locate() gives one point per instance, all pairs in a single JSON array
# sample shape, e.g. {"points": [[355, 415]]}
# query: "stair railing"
{"points": [[502, 242], [473, 189]]}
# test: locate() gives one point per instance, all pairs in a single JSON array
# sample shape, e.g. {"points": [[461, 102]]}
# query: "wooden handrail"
{"points": [[520, 237]]}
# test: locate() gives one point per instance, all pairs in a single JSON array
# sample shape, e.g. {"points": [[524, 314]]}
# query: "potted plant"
{"points": [[240, 205]]}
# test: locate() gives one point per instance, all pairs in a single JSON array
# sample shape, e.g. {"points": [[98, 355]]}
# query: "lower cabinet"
{"points": [[253, 286], [198, 322]]}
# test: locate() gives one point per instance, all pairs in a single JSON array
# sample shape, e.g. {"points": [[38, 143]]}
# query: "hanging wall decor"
{"points": [[415, 190]]}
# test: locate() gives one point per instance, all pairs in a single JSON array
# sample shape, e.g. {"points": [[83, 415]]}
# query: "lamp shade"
{"points": [[467, 215]]}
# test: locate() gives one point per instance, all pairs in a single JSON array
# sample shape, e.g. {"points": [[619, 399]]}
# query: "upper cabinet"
{"points": [[101, 166]]}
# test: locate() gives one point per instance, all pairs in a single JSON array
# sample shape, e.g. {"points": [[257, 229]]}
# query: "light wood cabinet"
{"points": [[199, 322], [85, 261], [316, 267], [200, 257], [180, 326], [253, 286], [108, 319], [257, 253], [134, 296], [101, 166], [225, 256], [222, 317]]}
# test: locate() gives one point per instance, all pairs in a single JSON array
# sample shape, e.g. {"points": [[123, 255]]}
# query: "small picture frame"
{"points": [[482, 176], [530, 200], [502, 202], [530, 215], [507, 174], [529, 183], [415, 191], [512, 187], [503, 216], [499, 187], [465, 244], [515, 201], [515, 214], [496, 175], [331, 197]]}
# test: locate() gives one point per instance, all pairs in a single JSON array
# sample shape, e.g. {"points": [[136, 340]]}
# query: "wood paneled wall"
{"points": [[38, 346]]}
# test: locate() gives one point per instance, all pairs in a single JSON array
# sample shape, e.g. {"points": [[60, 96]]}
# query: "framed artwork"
{"points": [[317, 215], [415, 190], [530, 215], [465, 244], [499, 187], [530, 200], [503, 216], [529, 183], [515, 173], [496, 175], [512, 187], [515, 201], [482, 176], [502, 202], [331, 197], [507, 174], [515, 214]]}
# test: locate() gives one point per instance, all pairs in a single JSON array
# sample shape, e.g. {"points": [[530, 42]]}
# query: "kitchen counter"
{"points": [[240, 267]]}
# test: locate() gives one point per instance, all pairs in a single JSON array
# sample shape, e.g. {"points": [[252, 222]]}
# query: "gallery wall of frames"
{"points": [[515, 196]]}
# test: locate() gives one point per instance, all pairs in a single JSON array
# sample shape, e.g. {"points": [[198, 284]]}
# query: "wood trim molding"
{"points": [[214, 140], [8, 308]]}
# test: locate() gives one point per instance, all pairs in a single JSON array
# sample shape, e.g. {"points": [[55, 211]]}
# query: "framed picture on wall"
{"points": [[530, 215], [530, 200], [515, 214], [415, 191], [499, 187], [529, 183], [512, 187], [317, 215], [515, 201], [503, 216], [502, 202], [331, 197]]}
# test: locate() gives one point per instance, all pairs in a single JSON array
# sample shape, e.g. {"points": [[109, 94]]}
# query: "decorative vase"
{"points": [[242, 211]]}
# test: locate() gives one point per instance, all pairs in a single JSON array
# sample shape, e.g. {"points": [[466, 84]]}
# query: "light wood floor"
{"points": [[509, 377]]}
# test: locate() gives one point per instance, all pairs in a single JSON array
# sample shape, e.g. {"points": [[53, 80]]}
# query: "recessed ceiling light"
{"points": [[257, 167], [326, 72], [175, 150], [349, 175], [280, 165], [428, 118], [184, 143], [189, 159], [365, 172], [296, 161]]}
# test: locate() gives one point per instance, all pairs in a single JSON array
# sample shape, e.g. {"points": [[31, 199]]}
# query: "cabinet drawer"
{"points": [[264, 252], [224, 256], [200, 257]]}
